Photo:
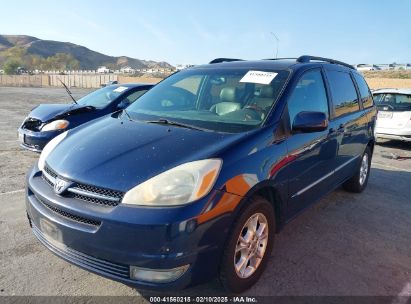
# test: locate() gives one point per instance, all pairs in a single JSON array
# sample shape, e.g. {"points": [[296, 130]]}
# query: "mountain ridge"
{"points": [[88, 59]]}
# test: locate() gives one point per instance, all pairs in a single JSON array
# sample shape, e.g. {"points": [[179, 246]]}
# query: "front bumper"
{"points": [[107, 240], [35, 141]]}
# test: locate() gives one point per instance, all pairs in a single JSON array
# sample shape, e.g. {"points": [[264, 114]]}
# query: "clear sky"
{"points": [[356, 31]]}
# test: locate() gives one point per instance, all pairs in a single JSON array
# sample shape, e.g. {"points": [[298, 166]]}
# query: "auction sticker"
{"points": [[120, 89], [258, 77]]}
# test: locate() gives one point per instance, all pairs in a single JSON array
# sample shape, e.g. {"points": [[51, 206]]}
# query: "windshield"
{"points": [[393, 102], [102, 97], [225, 100]]}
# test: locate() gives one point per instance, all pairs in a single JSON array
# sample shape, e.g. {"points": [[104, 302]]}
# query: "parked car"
{"points": [[46, 121], [394, 114], [367, 67], [109, 83], [195, 179]]}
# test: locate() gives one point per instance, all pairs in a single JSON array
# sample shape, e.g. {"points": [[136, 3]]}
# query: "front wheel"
{"points": [[360, 179], [249, 245]]}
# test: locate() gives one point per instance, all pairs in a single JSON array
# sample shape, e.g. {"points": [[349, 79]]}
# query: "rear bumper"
{"points": [[394, 137], [35, 141], [114, 238], [403, 134]]}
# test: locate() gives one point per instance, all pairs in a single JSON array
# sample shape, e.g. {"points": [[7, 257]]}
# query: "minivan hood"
{"points": [[118, 154], [46, 112]]}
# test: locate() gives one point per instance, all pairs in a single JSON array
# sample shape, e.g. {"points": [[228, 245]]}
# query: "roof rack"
{"points": [[308, 58], [218, 60], [284, 58]]}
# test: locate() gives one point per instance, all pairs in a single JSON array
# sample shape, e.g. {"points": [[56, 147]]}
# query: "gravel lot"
{"points": [[344, 245]]}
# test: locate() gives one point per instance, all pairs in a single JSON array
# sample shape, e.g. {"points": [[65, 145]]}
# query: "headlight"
{"points": [[180, 185], [48, 148], [60, 124]]}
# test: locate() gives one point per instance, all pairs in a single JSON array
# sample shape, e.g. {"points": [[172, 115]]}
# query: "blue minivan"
{"points": [[194, 180]]}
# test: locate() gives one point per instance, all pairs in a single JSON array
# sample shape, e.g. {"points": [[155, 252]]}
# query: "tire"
{"points": [[359, 181], [240, 279]]}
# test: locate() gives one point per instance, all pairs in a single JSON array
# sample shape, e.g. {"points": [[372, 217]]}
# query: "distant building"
{"points": [[366, 67], [127, 70], [183, 66], [400, 67], [382, 67], [103, 70]]}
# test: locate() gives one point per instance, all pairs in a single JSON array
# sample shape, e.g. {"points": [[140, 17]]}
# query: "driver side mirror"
{"points": [[307, 122]]}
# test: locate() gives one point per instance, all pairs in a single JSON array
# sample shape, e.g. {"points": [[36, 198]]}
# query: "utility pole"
{"points": [[278, 43]]}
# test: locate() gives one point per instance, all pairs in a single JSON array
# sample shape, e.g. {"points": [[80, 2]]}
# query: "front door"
{"points": [[313, 153]]}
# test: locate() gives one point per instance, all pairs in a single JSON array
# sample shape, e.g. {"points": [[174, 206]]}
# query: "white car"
{"points": [[394, 114]]}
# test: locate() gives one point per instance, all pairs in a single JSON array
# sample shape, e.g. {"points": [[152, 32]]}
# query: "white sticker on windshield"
{"points": [[258, 77], [120, 89]]}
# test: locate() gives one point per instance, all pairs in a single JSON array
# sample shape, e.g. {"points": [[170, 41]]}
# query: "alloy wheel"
{"points": [[364, 169], [251, 245]]}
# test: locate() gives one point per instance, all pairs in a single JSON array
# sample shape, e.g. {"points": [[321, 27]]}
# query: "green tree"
{"points": [[61, 62], [33, 62], [10, 66]]}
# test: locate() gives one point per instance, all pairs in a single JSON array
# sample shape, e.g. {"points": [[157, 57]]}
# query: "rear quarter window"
{"points": [[344, 94], [366, 97]]}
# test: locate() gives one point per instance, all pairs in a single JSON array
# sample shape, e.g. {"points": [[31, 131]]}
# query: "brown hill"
{"points": [[87, 58]]}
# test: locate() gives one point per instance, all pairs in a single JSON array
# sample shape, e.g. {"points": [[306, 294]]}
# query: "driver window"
{"points": [[308, 95]]}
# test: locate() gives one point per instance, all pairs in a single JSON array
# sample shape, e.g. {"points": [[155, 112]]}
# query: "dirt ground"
{"points": [[347, 244]]}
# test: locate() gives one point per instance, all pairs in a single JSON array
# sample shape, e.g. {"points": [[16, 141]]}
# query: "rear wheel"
{"points": [[360, 179], [249, 246]]}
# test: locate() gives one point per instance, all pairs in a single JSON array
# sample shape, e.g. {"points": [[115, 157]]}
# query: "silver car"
{"points": [[394, 114]]}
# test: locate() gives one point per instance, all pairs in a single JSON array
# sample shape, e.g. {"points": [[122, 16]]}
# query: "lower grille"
{"points": [[81, 259], [69, 215]]}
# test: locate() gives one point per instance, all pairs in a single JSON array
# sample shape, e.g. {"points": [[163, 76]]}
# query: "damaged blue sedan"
{"points": [[46, 121]]}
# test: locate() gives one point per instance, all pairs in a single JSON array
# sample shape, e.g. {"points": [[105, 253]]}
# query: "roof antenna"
{"points": [[278, 43]]}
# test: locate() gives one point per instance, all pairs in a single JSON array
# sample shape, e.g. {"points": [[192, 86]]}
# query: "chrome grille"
{"points": [[105, 192], [50, 171], [51, 184], [69, 215], [88, 193], [95, 200]]}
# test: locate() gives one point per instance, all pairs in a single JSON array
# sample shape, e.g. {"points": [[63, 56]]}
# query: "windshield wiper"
{"points": [[128, 115], [164, 121]]}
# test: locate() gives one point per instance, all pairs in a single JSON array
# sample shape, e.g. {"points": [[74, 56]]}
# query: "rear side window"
{"points": [[393, 102], [134, 96], [365, 93], [344, 95], [308, 95]]}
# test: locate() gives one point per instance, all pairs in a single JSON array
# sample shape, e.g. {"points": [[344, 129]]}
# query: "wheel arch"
{"points": [[371, 145], [273, 195]]}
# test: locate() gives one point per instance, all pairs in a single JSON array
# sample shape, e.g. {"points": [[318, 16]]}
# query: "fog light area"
{"points": [[157, 275]]}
